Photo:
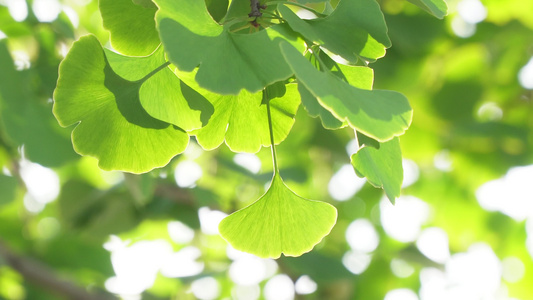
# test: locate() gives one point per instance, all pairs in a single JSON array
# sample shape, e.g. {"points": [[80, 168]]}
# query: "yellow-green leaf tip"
{"points": [[279, 222]]}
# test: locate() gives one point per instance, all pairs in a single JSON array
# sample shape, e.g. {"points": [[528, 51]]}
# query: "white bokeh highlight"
{"points": [[187, 173], [206, 288], [356, 262], [474, 274], [362, 236], [249, 161], [404, 220], [344, 183], [512, 194], [136, 265], [209, 220], [17, 9], [46, 10], [525, 75], [183, 263], [179, 232], [433, 243], [42, 183], [251, 270], [513, 269], [305, 285], [279, 287], [401, 294], [411, 172], [400, 268], [472, 11]]}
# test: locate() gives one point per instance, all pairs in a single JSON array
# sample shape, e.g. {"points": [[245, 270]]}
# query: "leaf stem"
{"points": [[161, 67], [272, 145]]}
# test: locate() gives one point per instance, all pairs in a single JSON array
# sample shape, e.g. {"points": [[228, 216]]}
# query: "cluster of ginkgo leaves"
{"points": [[236, 72]]}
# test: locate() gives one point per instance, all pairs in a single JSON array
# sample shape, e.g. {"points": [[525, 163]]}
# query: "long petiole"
{"points": [[273, 147]]}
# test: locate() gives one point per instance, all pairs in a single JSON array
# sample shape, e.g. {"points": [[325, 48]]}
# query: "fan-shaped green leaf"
{"points": [[379, 114], [241, 120], [382, 167], [355, 29], [279, 222], [438, 8], [228, 62], [163, 95], [131, 25], [113, 126]]}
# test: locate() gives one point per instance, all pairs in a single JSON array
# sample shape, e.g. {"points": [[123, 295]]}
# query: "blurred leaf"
{"points": [[28, 122], [96, 213], [8, 189], [319, 267]]}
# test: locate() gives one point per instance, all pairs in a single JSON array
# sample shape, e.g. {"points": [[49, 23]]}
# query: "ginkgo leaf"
{"points": [[163, 95], [280, 222], [379, 114], [112, 124], [228, 62], [356, 29], [382, 167], [131, 25], [241, 120], [438, 8], [358, 76]]}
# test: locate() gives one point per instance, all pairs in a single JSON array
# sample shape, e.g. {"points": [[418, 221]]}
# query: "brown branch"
{"points": [[45, 277], [256, 7]]}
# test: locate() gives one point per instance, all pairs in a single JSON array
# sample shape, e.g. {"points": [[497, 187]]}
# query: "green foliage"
{"points": [[190, 76], [134, 112]]}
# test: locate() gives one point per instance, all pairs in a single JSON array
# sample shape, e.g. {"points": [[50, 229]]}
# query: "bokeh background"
{"points": [[462, 229]]}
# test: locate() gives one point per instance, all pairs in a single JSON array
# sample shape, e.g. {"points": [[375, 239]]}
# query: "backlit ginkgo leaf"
{"points": [[358, 76], [241, 120], [163, 96], [280, 222], [228, 62], [379, 114], [356, 29], [131, 26], [382, 167], [112, 125]]}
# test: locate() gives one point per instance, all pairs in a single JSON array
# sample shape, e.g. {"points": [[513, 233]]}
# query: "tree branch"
{"points": [[45, 277], [255, 9]]}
